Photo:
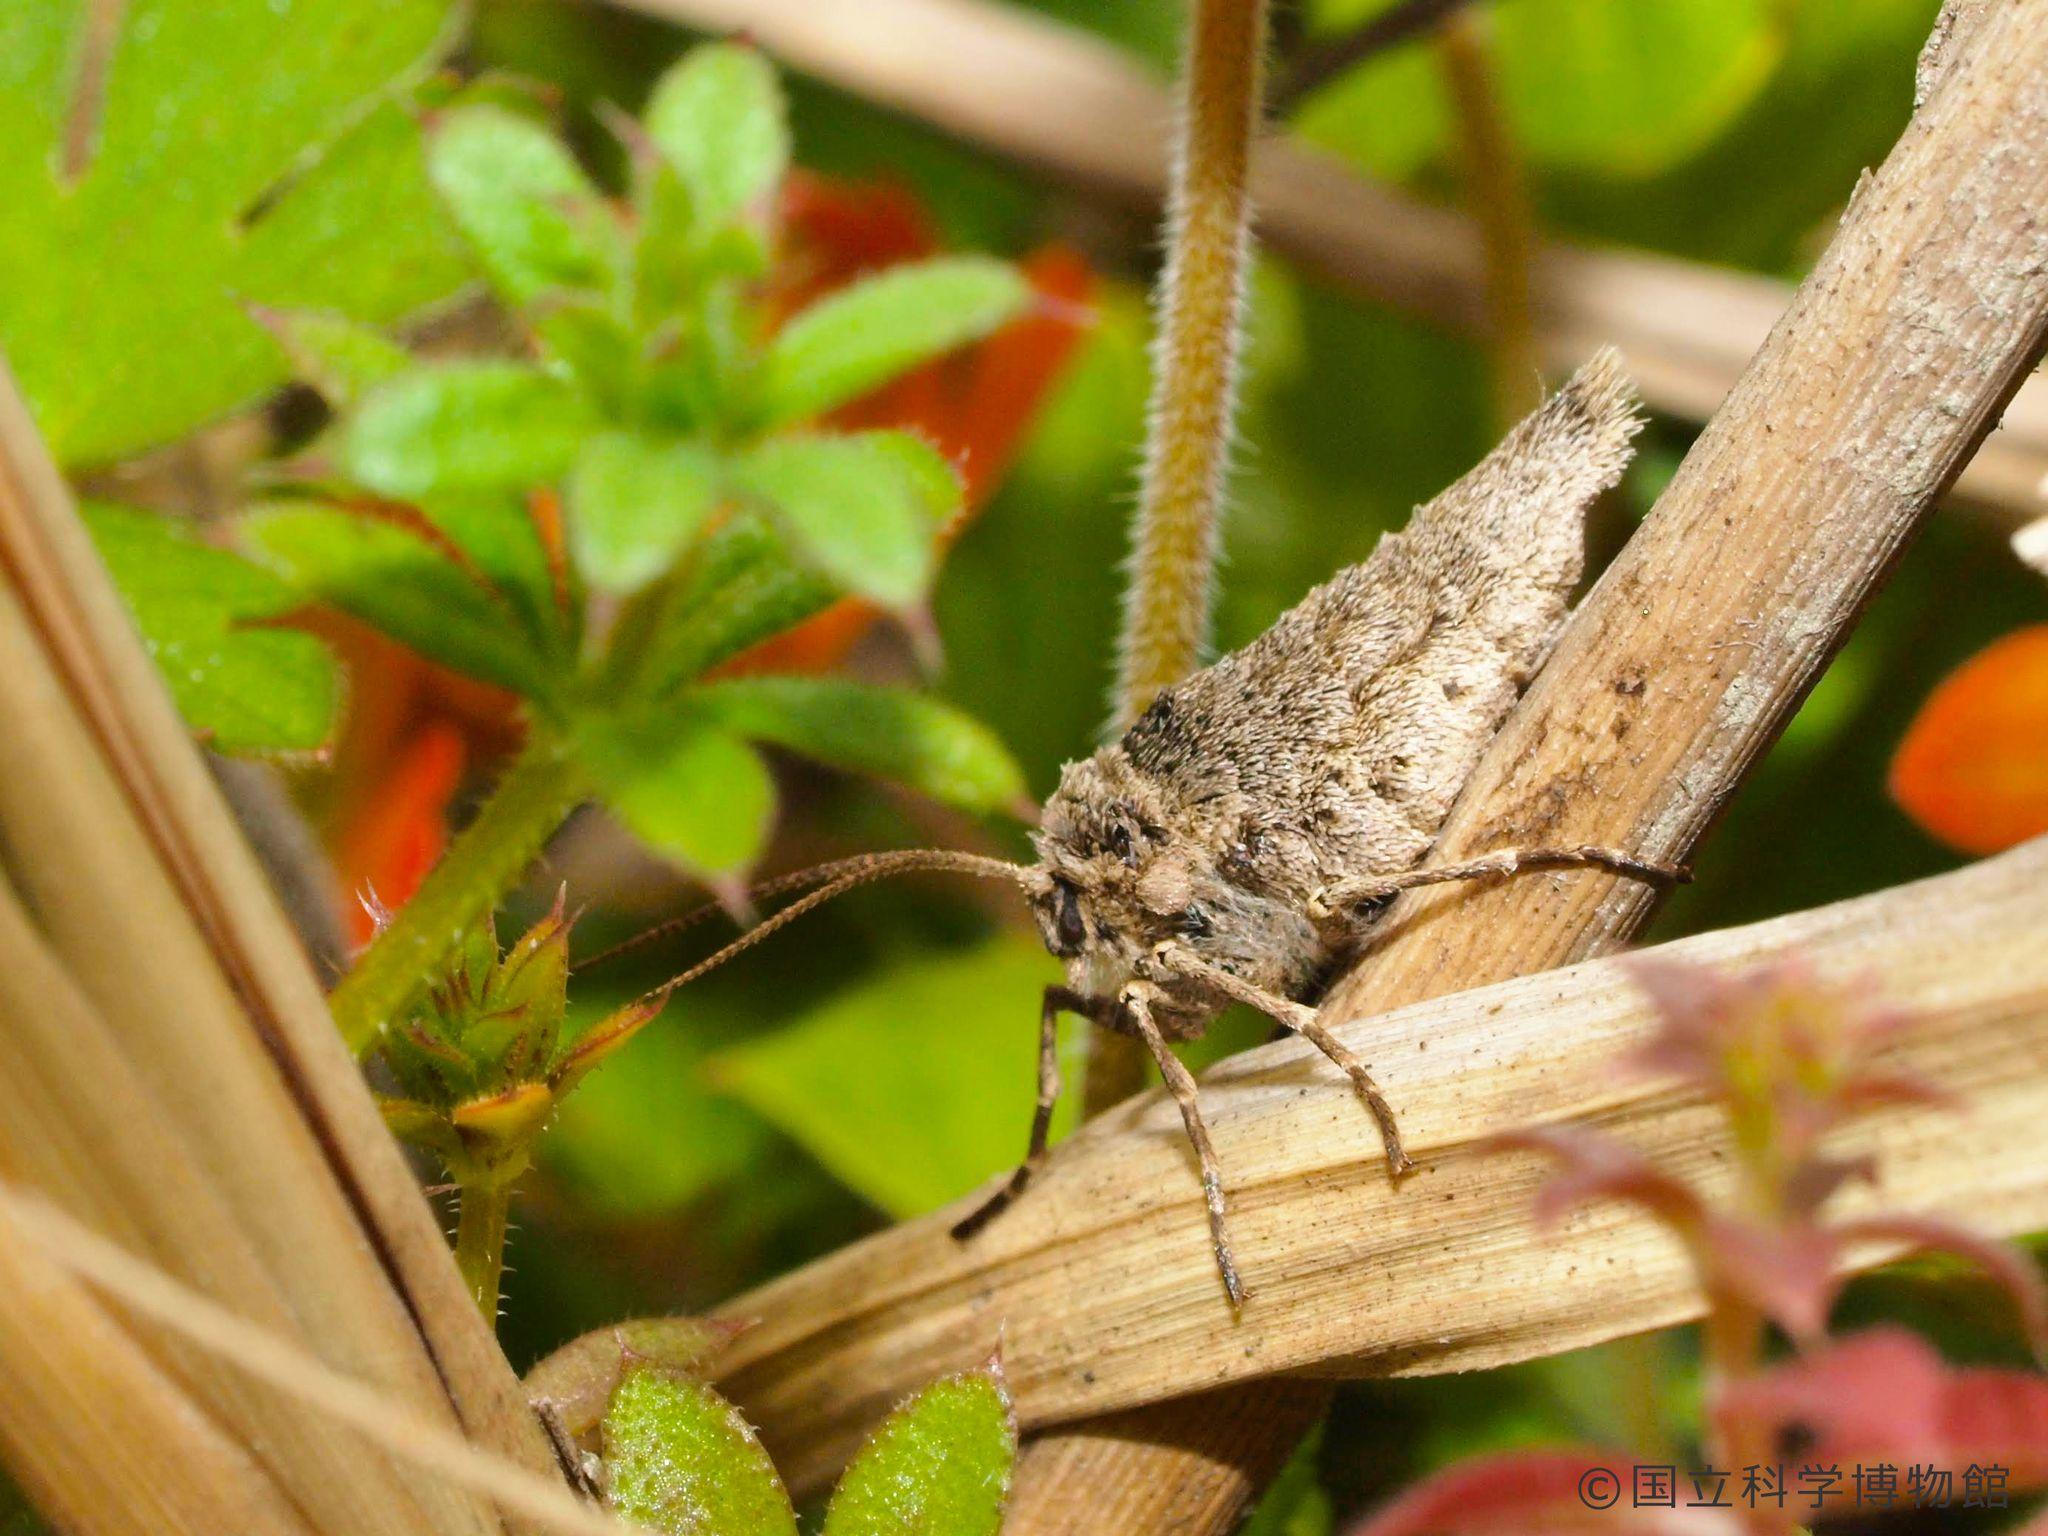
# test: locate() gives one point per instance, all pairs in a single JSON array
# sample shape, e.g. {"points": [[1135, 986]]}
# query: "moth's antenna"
{"points": [[832, 879]]}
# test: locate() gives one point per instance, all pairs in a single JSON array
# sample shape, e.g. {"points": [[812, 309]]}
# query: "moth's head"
{"points": [[1120, 876]]}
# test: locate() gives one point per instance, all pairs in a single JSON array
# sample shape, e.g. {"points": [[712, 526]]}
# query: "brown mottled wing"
{"points": [[1340, 737]]}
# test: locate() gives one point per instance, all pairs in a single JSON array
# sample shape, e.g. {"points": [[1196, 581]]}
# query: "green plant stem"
{"points": [[480, 1244], [531, 802], [1498, 195]]}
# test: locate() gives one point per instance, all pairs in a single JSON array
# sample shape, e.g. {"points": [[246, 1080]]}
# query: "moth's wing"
{"points": [[1354, 721]]}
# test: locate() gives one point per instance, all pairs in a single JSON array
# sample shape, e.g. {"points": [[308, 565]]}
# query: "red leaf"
{"points": [[1973, 767], [1596, 1167], [1787, 1273], [2008, 1266], [1885, 1396], [1552, 1493]]}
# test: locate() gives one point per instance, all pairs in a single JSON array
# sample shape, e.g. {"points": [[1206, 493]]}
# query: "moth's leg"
{"points": [[569, 1457], [1056, 999], [1136, 1000], [1349, 894], [1304, 1021]]}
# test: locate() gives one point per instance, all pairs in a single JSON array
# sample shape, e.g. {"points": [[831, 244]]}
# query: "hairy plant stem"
{"points": [[1200, 321], [1498, 199], [1200, 325], [535, 796], [480, 1243]]}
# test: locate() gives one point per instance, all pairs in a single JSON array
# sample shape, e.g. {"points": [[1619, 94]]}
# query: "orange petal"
{"points": [[818, 644], [1973, 768], [1016, 368], [833, 231], [400, 828]]}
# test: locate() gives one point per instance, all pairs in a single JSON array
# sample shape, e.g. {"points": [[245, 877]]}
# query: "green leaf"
{"points": [[394, 581], [495, 532], [1296, 1504], [859, 508], [235, 151], [932, 477], [466, 426], [914, 739], [532, 216], [342, 358], [244, 689], [742, 587], [1589, 86], [682, 1461], [914, 1084], [683, 786], [583, 336], [634, 504], [718, 119], [938, 1466], [859, 338], [1632, 89]]}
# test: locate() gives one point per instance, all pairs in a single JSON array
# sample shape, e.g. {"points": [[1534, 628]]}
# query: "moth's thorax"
{"points": [[1129, 865]]}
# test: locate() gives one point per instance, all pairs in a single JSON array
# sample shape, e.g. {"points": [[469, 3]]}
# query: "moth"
{"points": [[1239, 841]]}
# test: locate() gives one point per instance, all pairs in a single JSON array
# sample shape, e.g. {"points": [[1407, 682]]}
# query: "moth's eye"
{"points": [[1120, 844], [1072, 932]]}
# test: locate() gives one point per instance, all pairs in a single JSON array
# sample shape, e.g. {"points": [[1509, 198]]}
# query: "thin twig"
{"points": [[1499, 203], [1390, 28]]}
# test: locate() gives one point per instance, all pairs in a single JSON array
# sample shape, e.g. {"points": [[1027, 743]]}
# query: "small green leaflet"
{"points": [[938, 1466], [682, 785], [861, 337], [741, 587], [466, 426], [718, 119], [393, 580], [635, 503], [532, 216], [682, 1461], [243, 688], [861, 508], [578, 1379], [909, 737]]}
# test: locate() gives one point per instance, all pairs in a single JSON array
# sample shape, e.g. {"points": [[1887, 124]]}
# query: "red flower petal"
{"points": [[1973, 768], [399, 833]]}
